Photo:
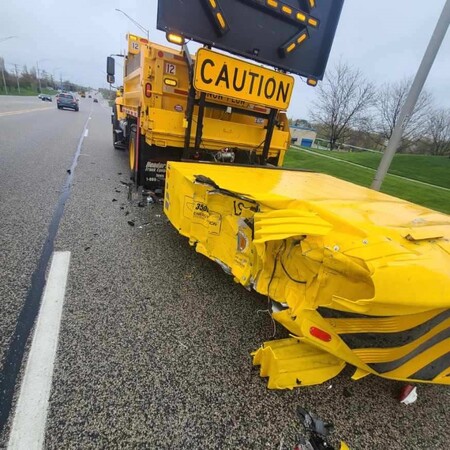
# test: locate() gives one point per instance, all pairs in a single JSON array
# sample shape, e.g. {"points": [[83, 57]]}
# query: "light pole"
{"points": [[37, 73], [136, 23], [8, 37], [53, 75], [17, 75], [414, 92]]}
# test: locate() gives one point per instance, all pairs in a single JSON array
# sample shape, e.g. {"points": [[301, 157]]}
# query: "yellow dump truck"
{"points": [[158, 115], [357, 277]]}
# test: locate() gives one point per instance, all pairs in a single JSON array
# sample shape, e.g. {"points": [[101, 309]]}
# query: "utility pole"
{"points": [[17, 76], [38, 77], [413, 95], [2, 63]]}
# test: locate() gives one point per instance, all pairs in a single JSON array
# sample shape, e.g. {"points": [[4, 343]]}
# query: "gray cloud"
{"points": [[385, 39]]}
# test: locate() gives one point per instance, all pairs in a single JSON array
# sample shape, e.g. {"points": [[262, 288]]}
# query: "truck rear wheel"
{"points": [[115, 126]]}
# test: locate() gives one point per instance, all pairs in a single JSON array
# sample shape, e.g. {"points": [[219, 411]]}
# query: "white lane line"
{"points": [[86, 133], [28, 427]]}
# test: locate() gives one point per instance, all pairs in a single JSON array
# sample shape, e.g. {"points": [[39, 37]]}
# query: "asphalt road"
{"points": [[155, 340]]}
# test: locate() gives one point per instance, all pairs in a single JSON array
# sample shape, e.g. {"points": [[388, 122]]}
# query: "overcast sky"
{"points": [[386, 39]]}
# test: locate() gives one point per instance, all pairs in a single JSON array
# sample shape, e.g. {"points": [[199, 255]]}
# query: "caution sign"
{"points": [[219, 74]]}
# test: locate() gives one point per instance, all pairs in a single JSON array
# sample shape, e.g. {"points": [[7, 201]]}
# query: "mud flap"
{"points": [[152, 165]]}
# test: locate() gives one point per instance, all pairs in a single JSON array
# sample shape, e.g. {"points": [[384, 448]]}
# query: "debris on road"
{"points": [[317, 432], [408, 394], [131, 223]]}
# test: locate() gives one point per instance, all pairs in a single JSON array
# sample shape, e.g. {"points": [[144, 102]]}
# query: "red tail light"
{"points": [[320, 334], [148, 90]]}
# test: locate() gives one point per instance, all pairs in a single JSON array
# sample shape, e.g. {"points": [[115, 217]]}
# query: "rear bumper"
{"points": [[63, 105], [360, 278]]}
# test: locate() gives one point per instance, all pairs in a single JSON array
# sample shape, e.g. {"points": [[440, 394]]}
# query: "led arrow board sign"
{"points": [[292, 35]]}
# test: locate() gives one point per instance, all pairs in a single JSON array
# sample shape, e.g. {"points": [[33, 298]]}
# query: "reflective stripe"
{"points": [[392, 365], [328, 313], [430, 371], [386, 340], [131, 112]]}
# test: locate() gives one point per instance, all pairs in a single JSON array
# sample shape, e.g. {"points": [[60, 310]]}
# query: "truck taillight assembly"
{"points": [[148, 90]]}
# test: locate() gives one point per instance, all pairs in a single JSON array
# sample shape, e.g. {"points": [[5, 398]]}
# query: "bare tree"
{"points": [[439, 131], [344, 97], [389, 102]]}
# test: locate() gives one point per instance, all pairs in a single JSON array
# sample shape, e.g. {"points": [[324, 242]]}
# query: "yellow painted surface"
{"points": [[317, 245], [162, 113]]}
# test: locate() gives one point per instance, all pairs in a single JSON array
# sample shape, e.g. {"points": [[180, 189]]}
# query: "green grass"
{"points": [[27, 92], [430, 169], [428, 196]]}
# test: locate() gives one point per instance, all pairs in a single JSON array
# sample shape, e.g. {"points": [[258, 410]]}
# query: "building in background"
{"points": [[302, 133]]}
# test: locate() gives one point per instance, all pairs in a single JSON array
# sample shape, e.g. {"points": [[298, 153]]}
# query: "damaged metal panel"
{"points": [[363, 278]]}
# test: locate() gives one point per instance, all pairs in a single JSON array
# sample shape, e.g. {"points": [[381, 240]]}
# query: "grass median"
{"points": [[432, 169]]}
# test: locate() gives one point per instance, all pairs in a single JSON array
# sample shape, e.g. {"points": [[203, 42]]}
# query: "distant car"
{"points": [[67, 101], [46, 98], [90, 96], [95, 100]]}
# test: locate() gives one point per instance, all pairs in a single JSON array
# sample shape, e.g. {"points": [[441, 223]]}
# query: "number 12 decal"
{"points": [[171, 69]]}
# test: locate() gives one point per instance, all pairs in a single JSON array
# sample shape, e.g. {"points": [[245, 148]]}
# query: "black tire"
{"points": [[115, 125], [76, 109]]}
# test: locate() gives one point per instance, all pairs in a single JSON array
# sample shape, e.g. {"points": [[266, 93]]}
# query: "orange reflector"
{"points": [[320, 334], [148, 90], [170, 81], [311, 81]]}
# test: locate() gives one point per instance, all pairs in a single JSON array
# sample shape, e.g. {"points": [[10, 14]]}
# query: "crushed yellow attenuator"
{"points": [[356, 276]]}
